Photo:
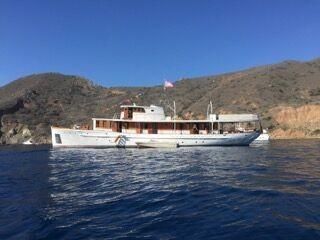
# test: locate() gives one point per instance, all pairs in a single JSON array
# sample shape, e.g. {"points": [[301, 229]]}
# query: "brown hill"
{"points": [[28, 106]]}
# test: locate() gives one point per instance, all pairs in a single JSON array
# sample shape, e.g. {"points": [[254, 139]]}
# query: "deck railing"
{"points": [[116, 116]]}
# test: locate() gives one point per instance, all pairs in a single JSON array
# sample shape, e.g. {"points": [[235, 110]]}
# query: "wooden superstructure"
{"points": [[151, 120]]}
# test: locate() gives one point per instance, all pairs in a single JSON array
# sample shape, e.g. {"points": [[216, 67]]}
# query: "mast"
{"points": [[174, 116], [210, 107]]}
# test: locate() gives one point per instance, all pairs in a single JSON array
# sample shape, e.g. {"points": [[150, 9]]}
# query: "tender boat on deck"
{"points": [[147, 126], [264, 137], [157, 144]]}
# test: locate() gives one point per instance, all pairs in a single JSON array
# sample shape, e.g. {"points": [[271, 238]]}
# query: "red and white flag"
{"points": [[167, 84], [126, 102]]}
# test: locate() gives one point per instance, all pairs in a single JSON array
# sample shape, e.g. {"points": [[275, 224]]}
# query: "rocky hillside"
{"points": [[286, 95]]}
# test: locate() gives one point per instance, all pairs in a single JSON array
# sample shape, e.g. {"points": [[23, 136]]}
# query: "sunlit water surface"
{"points": [[267, 191]]}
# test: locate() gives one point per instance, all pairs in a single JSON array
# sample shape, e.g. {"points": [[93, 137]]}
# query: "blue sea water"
{"points": [[267, 191]]}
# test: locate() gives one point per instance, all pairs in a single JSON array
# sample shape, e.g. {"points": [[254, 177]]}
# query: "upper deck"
{"points": [[154, 113], [151, 119]]}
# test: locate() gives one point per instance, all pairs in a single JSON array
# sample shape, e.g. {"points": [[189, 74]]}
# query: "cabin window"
{"points": [[183, 126], [58, 138], [153, 128], [103, 124], [233, 127], [131, 125], [138, 109], [139, 127], [125, 125], [195, 128], [117, 126], [106, 124]]}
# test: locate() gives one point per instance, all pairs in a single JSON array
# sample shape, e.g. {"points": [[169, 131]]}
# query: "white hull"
{"points": [[262, 137], [104, 139], [28, 142]]}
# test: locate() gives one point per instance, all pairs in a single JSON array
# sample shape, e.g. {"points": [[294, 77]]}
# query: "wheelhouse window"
{"points": [[138, 110], [128, 111]]}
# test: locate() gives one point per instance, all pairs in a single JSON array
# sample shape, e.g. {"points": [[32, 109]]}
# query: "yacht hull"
{"points": [[63, 137]]}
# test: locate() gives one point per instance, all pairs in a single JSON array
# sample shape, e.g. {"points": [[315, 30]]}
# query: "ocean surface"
{"points": [[265, 191]]}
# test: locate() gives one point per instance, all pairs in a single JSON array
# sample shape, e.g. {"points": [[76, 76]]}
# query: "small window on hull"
{"points": [[58, 138]]}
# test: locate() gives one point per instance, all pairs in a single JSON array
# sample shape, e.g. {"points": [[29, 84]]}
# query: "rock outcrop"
{"points": [[300, 122]]}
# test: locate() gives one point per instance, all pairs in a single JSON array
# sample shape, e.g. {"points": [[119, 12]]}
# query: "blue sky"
{"points": [[143, 42]]}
